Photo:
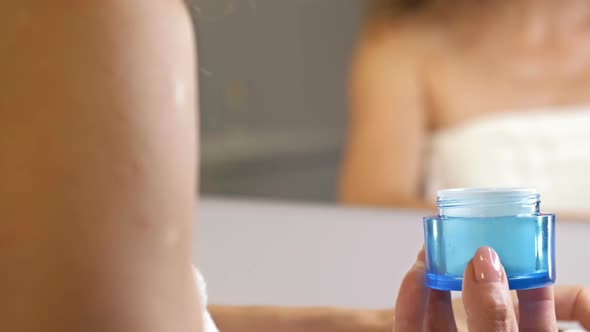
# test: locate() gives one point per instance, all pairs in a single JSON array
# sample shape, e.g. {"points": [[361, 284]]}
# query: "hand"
{"points": [[487, 301]]}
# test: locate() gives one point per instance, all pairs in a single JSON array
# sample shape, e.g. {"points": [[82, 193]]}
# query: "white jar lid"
{"points": [[487, 202], [484, 192]]}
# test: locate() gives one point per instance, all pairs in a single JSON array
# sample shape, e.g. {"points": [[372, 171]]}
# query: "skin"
{"points": [[448, 63], [300, 319], [97, 165]]}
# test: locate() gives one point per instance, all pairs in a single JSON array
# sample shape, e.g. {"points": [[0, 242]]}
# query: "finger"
{"points": [[486, 296], [461, 316], [537, 310], [411, 300], [572, 303], [439, 312]]}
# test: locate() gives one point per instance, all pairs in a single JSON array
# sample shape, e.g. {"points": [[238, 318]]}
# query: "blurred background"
{"points": [[453, 96], [273, 100]]}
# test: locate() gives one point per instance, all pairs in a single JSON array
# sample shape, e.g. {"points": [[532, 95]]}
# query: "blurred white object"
{"points": [[547, 149], [207, 320]]}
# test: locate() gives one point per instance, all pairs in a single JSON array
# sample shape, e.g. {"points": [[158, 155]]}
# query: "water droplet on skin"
{"points": [[179, 93]]}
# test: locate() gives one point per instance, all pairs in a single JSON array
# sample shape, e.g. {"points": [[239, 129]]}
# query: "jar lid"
{"points": [[487, 202], [484, 192]]}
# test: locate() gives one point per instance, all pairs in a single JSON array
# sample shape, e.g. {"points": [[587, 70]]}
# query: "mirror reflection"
{"points": [[384, 103]]}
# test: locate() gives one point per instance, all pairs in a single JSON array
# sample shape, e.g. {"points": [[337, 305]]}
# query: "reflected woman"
{"points": [[470, 94]]}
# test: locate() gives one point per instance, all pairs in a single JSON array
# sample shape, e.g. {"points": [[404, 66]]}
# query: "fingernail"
{"points": [[486, 265]]}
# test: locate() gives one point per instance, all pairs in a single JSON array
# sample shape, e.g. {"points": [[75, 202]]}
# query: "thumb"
{"points": [[486, 296]]}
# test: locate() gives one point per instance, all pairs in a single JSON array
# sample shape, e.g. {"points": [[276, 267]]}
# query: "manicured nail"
{"points": [[486, 265]]}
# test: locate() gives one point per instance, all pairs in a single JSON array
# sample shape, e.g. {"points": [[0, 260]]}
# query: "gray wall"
{"points": [[273, 105]]}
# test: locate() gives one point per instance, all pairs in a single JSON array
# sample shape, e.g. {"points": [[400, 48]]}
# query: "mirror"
{"points": [[439, 111], [272, 95]]}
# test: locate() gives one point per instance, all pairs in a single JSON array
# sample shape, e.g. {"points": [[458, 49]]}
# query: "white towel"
{"points": [[209, 325]]}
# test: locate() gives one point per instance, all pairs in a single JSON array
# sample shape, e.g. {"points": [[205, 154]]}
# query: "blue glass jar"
{"points": [[506, 219]]}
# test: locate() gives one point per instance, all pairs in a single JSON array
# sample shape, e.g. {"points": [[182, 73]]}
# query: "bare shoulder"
{"points": [[102, 50], [64, 8], [97, 146], [39, 27], [68, 34], [394, 55], [106, 73], [70, 61], [107, 88], [410, 37]]}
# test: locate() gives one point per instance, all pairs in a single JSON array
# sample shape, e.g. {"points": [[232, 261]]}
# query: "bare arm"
{"points": [[97, 166], [286, 319], [383, 163]]}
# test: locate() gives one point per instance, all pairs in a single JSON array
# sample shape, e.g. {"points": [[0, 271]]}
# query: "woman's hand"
{"points": [[487, 301]]}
